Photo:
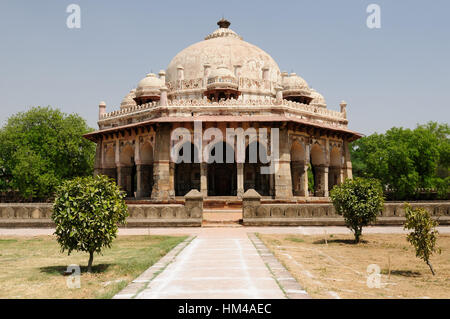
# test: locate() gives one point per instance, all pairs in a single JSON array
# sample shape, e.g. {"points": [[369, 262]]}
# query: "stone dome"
{"points": [[293, 81], [128, 101], [150, 81], [317, 99], [222, 48], [295, 88], [222, 78], [149, 88]]}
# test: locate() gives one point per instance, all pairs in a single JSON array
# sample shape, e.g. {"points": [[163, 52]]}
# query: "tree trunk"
{"points": [[91, 259], [357, 235], [431, 268]]}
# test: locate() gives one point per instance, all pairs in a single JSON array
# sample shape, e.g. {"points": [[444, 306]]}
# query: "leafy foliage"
{"points": [[424, 235], [87, 211], [358, 201], [41, 147], [405, 160]]}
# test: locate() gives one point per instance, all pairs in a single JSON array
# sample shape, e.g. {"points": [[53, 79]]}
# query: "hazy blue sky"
{"points": [[398, 75]]}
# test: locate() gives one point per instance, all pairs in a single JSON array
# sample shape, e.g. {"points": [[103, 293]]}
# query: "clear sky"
{"points": [[398, 75]]}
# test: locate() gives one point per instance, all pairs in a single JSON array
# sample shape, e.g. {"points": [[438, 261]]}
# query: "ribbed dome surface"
{"points": [[223, 47]]}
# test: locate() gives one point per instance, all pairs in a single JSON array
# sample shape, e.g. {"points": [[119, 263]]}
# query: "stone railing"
{"points": [[256, 213], [15, 215], [130, 110], [295, 106]]}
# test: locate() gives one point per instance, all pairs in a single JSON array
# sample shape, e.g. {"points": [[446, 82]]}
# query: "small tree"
{"points": [[87, 211], [424, 235], [358, 201]]}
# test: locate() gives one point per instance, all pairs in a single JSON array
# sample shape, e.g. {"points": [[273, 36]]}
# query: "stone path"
{"points": [[218, 263], [301, 230]]}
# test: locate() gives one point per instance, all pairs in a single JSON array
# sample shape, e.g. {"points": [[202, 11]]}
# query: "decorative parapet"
{"points": [[304, 111], [273, 213], [127, 111]]}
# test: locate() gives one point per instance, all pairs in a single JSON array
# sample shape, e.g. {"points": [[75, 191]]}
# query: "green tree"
{"points": [[41, 147], [358, 201], [87, 211], [424, 234], [405, 160]]}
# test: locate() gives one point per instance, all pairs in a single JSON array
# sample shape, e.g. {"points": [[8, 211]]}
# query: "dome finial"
{"points": [[223, 23]]}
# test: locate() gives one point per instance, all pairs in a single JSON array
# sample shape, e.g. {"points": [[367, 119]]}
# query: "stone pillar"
{"points": [[240, 179], [304, 182], [101, 110], [163, 100], [122, 173], [98, 165], [347, 162], [321, 181], [193, 202], [335, 176], [204, 178], [251, 200], [283, 181], [139, 182], [163, 186]]}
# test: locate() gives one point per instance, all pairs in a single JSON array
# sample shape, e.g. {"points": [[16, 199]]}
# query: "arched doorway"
{"points": [[334, 173], [222, 176], [109, 166], [127, 171], [253, 179], [145, 170], [319, 170], [187, 175], [298, 170]]}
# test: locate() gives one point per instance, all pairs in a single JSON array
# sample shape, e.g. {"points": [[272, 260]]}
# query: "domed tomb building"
{"points": [[223, 83]]}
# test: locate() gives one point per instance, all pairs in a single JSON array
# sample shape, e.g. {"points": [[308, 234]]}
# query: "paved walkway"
{"points": [[301, 230], [218, 263]]}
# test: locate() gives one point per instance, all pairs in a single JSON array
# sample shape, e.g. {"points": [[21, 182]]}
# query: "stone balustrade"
{"points": [[15, 215], [257, 213], [295, 106]]}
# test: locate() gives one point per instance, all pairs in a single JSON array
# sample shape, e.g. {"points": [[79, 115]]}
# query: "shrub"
{"points": [[358, 201], [87, 211], [424, 235]]}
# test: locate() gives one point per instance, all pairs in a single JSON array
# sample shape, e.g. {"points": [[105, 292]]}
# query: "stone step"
{"points": [[212, 225], [222, 210], [222, 216]]}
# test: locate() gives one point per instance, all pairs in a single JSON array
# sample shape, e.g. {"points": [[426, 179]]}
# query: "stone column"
{"points": [[122, 174], [347, 162], [204, 179], [251, 201], [193, 203], [304, 182], [240, 179], [321, 181], [283, 181], [163, 188], [139, 181], [98, 159]]}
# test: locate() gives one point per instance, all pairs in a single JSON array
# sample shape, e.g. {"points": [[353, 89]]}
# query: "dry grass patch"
{"points": [[32, 267], [331, 266]]}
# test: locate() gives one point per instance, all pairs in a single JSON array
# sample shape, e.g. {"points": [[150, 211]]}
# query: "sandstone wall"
{"points": [[189, 214], [256, 213]]}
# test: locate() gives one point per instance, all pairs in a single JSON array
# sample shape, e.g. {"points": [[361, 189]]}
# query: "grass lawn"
{"points": [[338, 268], [32, 267]]}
